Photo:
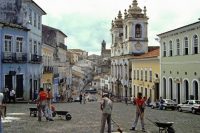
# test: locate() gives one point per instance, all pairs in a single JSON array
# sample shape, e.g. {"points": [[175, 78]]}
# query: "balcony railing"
{"points": [[36, 58], [47, 69], [14, 57]]}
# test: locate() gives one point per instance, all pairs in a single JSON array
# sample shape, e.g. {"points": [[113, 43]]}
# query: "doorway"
{"points": [[31, 92], [170, 89], [178, 92], [8, 81], [186, 88], [196, 92], [19, 87]]}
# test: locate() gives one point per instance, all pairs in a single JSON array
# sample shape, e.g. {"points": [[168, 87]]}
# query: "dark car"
{"points": [[168, 104]]}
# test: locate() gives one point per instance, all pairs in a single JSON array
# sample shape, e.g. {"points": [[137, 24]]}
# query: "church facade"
{"points": [[129, 39]]}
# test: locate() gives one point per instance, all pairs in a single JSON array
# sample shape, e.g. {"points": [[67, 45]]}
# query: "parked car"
{"points": [[190, 105], [76, 99], [91, 98], [168, 104]]}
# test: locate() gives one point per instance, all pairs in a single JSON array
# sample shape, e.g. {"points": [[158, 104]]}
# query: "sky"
{"points": [[88, 22]]}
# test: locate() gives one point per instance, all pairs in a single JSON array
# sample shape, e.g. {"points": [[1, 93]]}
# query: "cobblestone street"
{"points": [[86, 119]]}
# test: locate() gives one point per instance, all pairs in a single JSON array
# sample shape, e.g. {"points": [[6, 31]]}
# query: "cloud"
{"points": [[87, 22]]}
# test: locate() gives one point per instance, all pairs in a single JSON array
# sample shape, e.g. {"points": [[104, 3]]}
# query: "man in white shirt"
{"points": [[12, 95]]}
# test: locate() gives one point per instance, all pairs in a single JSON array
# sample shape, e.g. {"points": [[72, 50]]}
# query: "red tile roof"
{"points": [[153, 53]]}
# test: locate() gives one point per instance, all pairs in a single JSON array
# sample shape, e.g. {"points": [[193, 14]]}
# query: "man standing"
{"points": [[80, 98], [6, 91], [139, 102], [106, 106], [48, 107], [161, 103], [12, 95], [41, 104]]}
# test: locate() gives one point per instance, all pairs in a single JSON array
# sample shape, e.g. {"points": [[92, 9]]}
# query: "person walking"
{"points": [[106, 106], [131, 99], [140, 104], [41, 104], [6, 91], [12, 95], [80, 98], [126, 100], [161, 103], [84, 98], [48, 106]]}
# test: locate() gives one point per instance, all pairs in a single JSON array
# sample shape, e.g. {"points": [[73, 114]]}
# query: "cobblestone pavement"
{"points": [[86, 119]]}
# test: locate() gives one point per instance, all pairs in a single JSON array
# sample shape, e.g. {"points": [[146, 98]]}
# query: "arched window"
{"points": [[177, 47], [126, 32], [185, 50], [138, 31], [195, 44], [170, 48], [164, 49]]}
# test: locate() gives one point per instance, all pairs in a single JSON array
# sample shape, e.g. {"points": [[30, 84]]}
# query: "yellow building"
{"points": [[47, 75], [146, 74]]}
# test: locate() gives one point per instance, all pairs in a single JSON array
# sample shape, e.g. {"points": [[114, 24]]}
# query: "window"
{"points": [[195, 41], [8, 44], [145, 75], [185, 46], [141, 74], [134, 74], [137, 74], [164, 49], [138, 31], [30, 46], [35, 47], [39, 22], [30, 16], [112, 39], [126, 32], [150, 75], [19, 44], [170, 48], [34, 19], [177, 47]]}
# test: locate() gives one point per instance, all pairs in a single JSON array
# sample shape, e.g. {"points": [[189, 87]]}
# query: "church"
{"points": [[129, 39]]}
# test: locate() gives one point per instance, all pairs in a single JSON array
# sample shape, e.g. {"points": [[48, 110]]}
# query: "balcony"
{"points": [[36, 58], [9, 57], [56, 75], [48, 69], [21, 57]]}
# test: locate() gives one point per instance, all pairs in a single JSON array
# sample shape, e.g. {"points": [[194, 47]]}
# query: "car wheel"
{"points": [[193, 111], [179, 109], [173, 108], [152, 107], [164, 108]]}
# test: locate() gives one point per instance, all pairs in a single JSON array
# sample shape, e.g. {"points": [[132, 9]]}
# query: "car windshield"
{"points": [[169, 101], [197, 102]]}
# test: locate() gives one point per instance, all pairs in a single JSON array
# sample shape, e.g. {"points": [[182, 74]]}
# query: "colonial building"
{"points": [[22, 48], [180, 63], [56, 38], [82, 53], [146, 75], [129, 39], [47, 75]]}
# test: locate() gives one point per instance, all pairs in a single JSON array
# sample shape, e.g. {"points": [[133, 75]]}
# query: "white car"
{"points": [[190, 105], [91, 98]]}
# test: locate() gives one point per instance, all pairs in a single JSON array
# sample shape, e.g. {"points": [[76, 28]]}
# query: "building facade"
{"points": [[24, 49], [179, 61], [146, 75], [47, 65], [129, 39]]}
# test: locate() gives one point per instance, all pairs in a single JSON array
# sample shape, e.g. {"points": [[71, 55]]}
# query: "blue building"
{"points": [[21, 51]]}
